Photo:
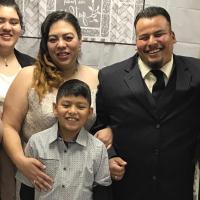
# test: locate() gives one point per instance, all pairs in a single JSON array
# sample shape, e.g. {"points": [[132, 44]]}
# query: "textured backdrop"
{"points": [[100, 20]]}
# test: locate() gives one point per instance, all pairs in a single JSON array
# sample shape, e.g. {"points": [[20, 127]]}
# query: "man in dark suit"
{"points": [[152, 103]]}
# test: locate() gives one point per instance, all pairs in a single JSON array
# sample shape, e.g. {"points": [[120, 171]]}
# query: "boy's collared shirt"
{"points": [[76, 167]]}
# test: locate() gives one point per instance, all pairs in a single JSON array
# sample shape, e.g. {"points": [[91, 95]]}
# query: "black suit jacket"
{"points": [[24, 59], [157, 141]]}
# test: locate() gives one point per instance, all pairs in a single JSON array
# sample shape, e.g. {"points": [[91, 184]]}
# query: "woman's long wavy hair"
{"points": [[47, 75]]}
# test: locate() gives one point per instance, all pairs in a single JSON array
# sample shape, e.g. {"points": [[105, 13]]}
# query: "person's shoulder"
{"points": [[96, 146], [187, 59], [24, 77], [43, 136], [190, 65], [95, 142], [24, 59], [89, 69], [89, 75], [27, 71]]}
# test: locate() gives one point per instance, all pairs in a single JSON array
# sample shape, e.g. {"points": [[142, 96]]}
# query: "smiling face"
{"points": [[63, 44], [10, 28], [72, 113], [154, 41]]}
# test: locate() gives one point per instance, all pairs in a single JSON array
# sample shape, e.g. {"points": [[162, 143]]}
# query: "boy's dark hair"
{"points": [[74, 87], [12, 3], [153, 11]]}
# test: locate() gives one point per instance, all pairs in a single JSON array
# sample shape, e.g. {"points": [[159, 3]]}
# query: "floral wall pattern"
{"points": [[100, 20]]}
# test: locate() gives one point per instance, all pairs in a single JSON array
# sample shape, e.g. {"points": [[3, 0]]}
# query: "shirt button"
{"points": [[157, 125], [64, 168], [154, 178], [65, 151], [63, 186]]}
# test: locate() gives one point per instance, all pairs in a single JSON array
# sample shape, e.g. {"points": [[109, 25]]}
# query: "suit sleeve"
{"points": [[27, 192], [102, 192], [102, 119]]}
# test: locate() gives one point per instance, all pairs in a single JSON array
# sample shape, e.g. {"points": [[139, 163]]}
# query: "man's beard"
{"points": [[156, 64]]}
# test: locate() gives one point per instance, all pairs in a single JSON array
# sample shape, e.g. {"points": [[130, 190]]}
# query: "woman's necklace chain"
{"points": [[5, 62]]}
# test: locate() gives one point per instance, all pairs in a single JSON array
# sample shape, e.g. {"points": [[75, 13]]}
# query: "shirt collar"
{"points": [[53, 136], [166, 69], [81, 138]]}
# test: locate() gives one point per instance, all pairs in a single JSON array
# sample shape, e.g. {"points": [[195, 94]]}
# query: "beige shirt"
{"points": [[149, 78]]}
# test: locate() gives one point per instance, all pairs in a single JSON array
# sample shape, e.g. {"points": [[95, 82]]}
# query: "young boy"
{"points": [[75, 159]]}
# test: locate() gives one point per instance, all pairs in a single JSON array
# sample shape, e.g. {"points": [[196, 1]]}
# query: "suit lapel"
{"points": [[171, 98], [183, 76], [135, 82]]}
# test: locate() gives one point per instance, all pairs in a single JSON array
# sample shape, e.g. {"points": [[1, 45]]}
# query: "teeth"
{"points": [[71, 119], [63, 53], [6, 35], [154, 51]]}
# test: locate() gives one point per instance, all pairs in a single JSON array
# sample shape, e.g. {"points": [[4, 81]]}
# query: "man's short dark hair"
{"points": [[74, 87], [152, 11]]}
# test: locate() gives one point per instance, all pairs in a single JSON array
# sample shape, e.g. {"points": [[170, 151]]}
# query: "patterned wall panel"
{"points": [[100, 20]]}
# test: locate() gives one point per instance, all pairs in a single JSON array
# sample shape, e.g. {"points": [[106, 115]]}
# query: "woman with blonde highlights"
{"points": [[28, 105]]}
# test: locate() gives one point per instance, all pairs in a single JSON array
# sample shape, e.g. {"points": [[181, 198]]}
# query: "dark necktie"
{"points": [[159, 84]]}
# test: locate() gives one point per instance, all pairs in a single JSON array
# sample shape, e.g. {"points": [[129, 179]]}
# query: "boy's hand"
{"points": [[117, 168], [33, 170]]}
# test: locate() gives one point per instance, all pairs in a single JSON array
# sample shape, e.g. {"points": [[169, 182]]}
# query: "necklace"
{"points": [[5, 62]]}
